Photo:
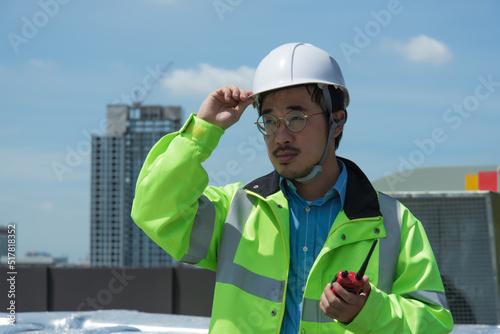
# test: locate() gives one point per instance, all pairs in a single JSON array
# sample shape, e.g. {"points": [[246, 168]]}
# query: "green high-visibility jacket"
{"points": [[242, 232]]}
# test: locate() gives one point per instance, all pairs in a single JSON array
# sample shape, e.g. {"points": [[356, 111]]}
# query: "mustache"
{"points": [[285, 148]]}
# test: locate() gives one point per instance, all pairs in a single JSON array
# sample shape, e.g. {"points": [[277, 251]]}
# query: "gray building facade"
{"points": [[4, 241], [116, 161]]}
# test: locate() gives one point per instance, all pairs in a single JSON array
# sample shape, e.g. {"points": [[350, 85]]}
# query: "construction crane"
{"points": [[138, 103]]}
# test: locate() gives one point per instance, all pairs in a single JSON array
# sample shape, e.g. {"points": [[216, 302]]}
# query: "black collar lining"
{"points": [[361, 198]]}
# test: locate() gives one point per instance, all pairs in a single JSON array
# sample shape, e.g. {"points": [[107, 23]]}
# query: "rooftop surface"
{"points": [[122, 321]]}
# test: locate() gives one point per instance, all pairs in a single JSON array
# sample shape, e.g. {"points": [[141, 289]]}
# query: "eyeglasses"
{"points": [[295, 121]]}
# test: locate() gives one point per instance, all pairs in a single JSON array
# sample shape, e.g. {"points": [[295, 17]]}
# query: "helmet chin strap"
{"points": [[315, 172]]}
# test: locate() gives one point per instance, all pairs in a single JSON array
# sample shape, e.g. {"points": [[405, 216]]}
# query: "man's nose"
{"points": [[283, 134]]}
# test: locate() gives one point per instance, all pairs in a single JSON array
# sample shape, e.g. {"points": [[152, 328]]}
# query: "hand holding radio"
{"points": [[352, 291], [351, 281]]}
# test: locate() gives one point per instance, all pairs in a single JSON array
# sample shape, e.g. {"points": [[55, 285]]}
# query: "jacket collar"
{"points": [[361, 198]]}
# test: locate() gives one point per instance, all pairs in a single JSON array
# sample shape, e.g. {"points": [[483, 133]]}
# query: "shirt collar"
{"points": [[338, 190]]}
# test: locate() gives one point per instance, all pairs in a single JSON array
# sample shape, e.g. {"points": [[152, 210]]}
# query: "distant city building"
{"points": [[116, 161], [35, 259]]}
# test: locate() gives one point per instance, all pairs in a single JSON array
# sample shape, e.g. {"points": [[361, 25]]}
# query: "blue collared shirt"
{"points": [[310, 223]]}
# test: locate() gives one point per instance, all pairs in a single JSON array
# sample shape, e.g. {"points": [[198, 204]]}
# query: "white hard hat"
{"points": [[295, 64]]}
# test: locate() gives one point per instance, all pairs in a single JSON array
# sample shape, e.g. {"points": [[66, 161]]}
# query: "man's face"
{"points": [[294, 154]]}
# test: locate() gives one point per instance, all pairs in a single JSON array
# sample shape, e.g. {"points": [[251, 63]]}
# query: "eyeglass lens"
{"points": [[294, 120]]}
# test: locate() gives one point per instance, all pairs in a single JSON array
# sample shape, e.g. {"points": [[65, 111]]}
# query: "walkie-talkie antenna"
{"points": [[362, 270]]}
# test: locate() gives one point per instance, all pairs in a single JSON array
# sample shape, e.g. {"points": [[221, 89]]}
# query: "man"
{"points": [[277, 242]]}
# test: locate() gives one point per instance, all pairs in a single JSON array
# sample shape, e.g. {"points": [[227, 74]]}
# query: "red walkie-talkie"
{"points": [[350, 281]]}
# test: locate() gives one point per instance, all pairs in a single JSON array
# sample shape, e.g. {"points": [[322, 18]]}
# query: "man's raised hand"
{"points": [[224, 106]]}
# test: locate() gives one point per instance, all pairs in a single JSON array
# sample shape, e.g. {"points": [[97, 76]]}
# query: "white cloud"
{"points": [[46, 206], [206, 78], [422, 49], [44, 65]]}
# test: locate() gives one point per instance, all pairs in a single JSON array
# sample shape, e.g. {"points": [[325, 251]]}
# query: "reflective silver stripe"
{"points": [[240, 210], [231, 273], [312, 312], [389, 246], [429, 297], [201, 233]]}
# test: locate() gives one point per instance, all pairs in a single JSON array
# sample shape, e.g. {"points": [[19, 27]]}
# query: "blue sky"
{"points": [[423, 76]]}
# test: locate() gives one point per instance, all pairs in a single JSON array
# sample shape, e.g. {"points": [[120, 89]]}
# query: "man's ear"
{"points": [[338, 116]]}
